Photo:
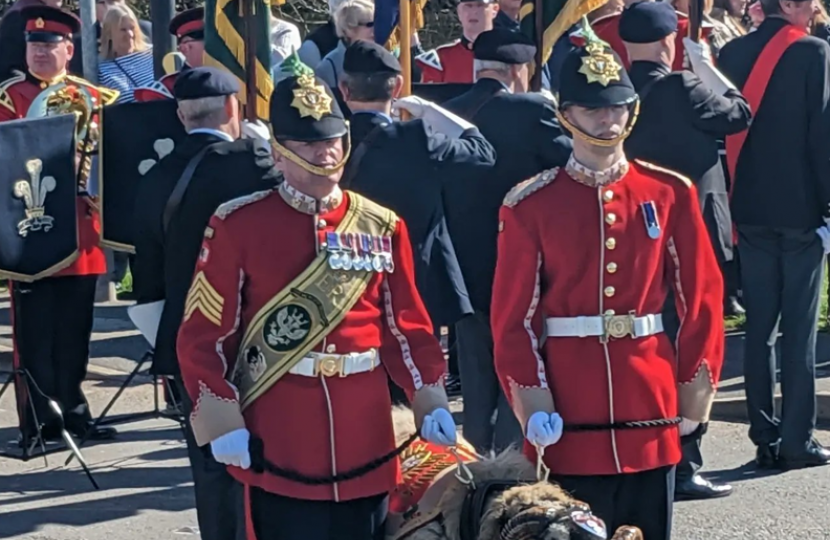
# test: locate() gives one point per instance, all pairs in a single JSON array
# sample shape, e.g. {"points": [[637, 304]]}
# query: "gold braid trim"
{"points": [[606, 143], [314, 169]]}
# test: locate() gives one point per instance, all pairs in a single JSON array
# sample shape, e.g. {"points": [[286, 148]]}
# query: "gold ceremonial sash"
{"points": [[294, 321]]}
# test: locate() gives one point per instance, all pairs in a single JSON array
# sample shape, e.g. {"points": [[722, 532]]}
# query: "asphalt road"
{"points": [[146, 487]]}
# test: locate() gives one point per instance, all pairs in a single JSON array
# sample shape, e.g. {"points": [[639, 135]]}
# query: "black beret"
{"points": [[303, 107], [369, 58], [204, 82], [49, 24], [504, 45], [189, 23], [647, 22], [593, 76]]}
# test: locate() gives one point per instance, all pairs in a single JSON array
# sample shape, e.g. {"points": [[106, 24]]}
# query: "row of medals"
{"points": [[350, 251]]}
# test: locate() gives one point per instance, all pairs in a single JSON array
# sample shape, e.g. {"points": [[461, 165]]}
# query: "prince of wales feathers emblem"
{"points": [[33, 192], [290, 327]]}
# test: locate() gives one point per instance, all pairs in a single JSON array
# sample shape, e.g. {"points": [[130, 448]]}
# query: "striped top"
{"points": [[127, 73]]}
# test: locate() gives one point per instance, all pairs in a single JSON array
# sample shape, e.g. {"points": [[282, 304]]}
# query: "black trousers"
{"points": [[643, 499], [219, 498], [52, 324], [781, 271], [691, 460], [282, 518], [480, 389]]}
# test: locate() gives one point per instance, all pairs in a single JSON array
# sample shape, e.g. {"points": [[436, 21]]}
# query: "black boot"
{"points": [[698, 488]]}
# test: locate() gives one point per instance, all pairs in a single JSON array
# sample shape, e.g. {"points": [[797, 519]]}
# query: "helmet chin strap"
{"points": [[577, 132], [309, 167]]}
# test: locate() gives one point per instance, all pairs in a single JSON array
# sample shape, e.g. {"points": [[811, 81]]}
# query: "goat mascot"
{"points": [[446, 495]]}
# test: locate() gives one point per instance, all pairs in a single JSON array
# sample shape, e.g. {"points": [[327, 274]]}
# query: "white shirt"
{"points": [[214, 132]]}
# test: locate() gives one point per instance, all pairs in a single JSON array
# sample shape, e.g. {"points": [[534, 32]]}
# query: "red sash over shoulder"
{"points": [[756, 85]]}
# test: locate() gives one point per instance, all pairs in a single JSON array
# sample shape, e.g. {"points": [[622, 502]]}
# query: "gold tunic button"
{"points": [[611, 243], [610, 219], [321, 224], [610, 312], [608, 196], [609, 291], [611, 267]]}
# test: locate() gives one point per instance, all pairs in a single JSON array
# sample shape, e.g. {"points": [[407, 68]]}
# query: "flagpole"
{"points": [[405, 28], [695, 20], [538, 11], [251, 94]]}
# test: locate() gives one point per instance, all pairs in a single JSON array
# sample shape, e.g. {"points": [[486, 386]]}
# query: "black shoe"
{"points": [[453, 385], [766, 456], [699, 488], [101, 433], [815, 455], [733, 308]]}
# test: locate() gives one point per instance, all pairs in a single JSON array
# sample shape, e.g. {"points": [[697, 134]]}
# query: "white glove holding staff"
{"points": [[700, 57], [544, 429], [436, 118], [232, 448], [439, 428]]}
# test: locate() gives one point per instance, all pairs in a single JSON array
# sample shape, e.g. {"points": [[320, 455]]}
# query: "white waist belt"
{"points": [[341, 365], [616, 326]]}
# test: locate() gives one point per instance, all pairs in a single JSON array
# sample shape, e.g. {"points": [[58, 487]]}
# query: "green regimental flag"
{"points": [[225, 44], [557, 18]]}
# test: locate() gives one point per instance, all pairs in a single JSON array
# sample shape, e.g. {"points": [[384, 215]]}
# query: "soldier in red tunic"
{"points": [[579, 342], [453, 62], [57, 359], [303, 300], [189, 29]]}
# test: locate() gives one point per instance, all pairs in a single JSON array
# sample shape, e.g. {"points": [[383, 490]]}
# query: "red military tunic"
{"points": [[608, 29], [16, 95], [571, 250], [253, 248], [450, 63]]}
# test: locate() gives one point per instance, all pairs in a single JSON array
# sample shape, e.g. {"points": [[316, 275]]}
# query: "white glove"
{"points": [[439, 428], [436, 118], [700, 57], [824, 234], [544, 429], [232, 448], [687, 427], [254, 130]]}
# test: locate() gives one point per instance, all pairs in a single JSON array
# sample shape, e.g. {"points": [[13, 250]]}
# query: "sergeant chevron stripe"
{"points": [[203, 297]]}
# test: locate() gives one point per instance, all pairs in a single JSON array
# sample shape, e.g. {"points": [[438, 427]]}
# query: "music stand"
{"points": [[28, 443], [128, 418]]}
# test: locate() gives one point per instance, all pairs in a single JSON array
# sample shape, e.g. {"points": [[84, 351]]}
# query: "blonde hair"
{"points": [[112, 24], [350, 14]]}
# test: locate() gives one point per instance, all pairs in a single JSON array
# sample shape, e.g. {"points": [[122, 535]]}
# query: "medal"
{"points": [[366, 249], [650, 217], [333, 248], [377, 262], [386, 248]]}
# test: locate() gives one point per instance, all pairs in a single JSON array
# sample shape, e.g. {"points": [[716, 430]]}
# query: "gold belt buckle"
{"points": [[619, 326], [330, 365]]}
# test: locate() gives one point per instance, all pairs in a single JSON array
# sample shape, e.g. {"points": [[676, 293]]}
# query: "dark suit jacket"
{"points": [[783, 174], [679, 126], [164, 264], [526, 135], [406, 170]]}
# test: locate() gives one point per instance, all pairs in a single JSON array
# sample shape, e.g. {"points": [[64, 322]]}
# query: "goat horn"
{"points": [[528, 524], [628, 533]]}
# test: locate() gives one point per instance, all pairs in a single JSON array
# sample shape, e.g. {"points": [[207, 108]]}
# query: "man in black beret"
{"points": [[302, 304], [523, 129], [682, 116], [169, 232], [429, 152], [586, 255]]}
